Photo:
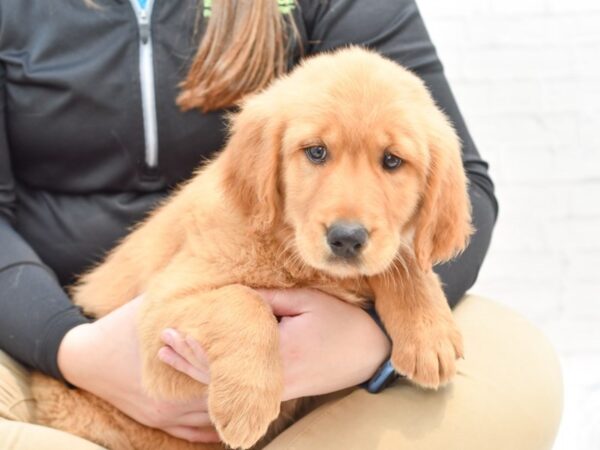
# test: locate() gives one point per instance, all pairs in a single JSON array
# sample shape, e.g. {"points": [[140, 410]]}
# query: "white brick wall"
{"points": [[526, 74]]}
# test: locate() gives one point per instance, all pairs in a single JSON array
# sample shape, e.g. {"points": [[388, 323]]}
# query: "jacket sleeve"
{"points": [[395, 29], [35, 312]]}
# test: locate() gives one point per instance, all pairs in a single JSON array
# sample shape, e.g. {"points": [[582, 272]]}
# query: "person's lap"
{"points": [[507, 394]]}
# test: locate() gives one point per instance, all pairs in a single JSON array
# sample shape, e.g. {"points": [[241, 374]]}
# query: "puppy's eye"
{"points": [[390, 162], [316, 154]]}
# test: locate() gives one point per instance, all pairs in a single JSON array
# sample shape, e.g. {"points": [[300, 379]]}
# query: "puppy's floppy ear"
{"points": [[252, 158], [443, 223]]}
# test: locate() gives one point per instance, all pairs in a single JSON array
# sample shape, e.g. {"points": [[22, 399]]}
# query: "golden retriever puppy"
{"points": [[343, 176]]}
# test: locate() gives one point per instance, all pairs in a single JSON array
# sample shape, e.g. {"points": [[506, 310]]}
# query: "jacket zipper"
{"points": [[147, 83]]}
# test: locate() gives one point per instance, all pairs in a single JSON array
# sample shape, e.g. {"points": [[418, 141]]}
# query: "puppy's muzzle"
{"points": [[346, 239]]}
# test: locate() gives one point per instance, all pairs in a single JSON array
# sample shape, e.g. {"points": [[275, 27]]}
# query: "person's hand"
{"points": [[104, 358], [326, 344]]}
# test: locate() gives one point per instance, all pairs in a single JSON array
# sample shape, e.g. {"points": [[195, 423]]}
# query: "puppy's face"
{"points": [[353, 170], [362, 165]]}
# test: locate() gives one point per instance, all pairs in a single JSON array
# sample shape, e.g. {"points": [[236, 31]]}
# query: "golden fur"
{"points": [[256, 215]]}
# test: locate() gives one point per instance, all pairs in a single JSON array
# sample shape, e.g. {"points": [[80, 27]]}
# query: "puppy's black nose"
{"points": [[345, 239]]}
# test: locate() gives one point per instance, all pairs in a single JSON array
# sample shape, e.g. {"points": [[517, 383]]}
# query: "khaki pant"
{"points": [[507, 395]]}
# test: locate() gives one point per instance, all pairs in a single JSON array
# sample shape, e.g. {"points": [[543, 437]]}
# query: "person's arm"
{"points": [[326, 344], [395, 29], [35, 312]]}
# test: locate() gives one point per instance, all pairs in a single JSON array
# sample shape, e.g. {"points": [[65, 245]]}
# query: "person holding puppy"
{"points": [[106, 107]]}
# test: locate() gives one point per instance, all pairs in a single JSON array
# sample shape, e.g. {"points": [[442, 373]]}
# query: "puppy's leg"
{"points": [[426, 341], [239, 334]]}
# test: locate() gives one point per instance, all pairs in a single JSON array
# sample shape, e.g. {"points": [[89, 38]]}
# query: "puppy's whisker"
{"points": [[387, 279], [405, 249], [282, 249], [395, 270], [400, 263], [286, 251], [293, 258]]}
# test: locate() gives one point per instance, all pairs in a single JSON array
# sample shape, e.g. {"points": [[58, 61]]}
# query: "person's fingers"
{"points": [[200, 358], [180, 344], [174, 359], [194, 434], [285, 302]]}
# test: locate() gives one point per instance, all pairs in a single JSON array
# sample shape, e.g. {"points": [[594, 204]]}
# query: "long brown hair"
{"points": [[244, 47]]}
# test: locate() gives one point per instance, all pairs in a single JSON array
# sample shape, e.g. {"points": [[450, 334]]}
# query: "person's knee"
{"points": [[15, 398], [26, 436], [538, 397], [518, 369], [507, 394]]}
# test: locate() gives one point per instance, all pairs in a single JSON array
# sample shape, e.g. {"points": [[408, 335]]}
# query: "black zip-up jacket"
{"points": [[80, 162]]}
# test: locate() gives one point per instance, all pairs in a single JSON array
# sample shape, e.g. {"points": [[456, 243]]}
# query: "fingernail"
{"points": [[164, 356], [169, 335]]}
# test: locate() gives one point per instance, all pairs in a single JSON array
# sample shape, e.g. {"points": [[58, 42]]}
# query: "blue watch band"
{"points": [[384, 376]]}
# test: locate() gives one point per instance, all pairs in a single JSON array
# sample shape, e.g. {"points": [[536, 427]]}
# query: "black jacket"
{"points": [[81, 161]]}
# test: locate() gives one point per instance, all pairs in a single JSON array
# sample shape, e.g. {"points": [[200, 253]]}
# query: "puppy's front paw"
{"points": [[427, 355], [242, 414]]}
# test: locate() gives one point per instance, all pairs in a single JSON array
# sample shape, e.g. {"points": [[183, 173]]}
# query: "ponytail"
{"points": [[244, 47]]}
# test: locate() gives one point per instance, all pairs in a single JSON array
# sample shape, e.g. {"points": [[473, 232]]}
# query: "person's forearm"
{"points": [[35, 312]]}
